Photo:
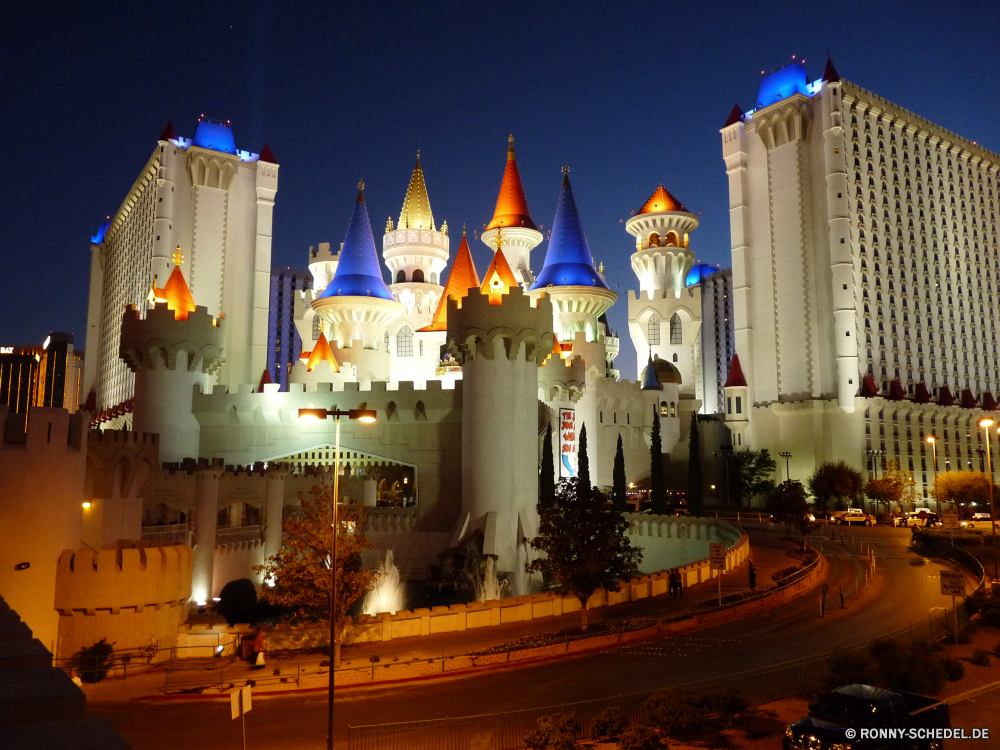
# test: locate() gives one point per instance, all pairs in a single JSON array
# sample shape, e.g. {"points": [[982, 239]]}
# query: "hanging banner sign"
{"points": [[567, 443]]}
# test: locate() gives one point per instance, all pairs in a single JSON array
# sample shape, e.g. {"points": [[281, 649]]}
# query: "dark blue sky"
{"points": [[629, 94]]}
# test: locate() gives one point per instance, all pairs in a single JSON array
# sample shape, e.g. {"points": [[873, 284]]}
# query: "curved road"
{"points": [[905, 590]]}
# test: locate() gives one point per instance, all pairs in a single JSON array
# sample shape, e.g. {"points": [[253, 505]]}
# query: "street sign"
{"points": [[717, 555], [950, 521], [952, 584], [240, 702]]}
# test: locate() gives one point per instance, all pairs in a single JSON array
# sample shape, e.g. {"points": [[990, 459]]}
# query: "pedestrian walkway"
{"points": [[769, 553]]}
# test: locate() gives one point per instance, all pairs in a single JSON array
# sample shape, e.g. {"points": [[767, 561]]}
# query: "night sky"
{"points": [[628, 94]]}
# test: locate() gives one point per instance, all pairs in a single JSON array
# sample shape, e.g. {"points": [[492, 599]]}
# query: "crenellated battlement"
{"points": [[154, 341], [116, 579], [473, 327], [561, 379]]}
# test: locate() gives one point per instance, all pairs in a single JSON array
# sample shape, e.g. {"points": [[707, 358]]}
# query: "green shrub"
{"points": [[954, 670], [728, 703], [780, 575], [991, 616], [92, 662], [610, 723], [677, 712], [980, 657], [640, 738], [553, 732]]}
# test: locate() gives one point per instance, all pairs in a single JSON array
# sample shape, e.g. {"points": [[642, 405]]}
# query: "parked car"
{"points": [[835, 719], [851, 516], [922, 517], [981, 517]]}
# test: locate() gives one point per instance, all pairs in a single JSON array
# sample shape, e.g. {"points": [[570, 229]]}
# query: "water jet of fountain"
{"points": [[387, 593]]}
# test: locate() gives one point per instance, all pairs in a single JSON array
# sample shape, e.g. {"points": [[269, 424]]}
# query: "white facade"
{"points": [[212, 204], [864, 245]]}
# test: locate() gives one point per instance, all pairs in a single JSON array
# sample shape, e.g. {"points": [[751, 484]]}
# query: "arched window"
{"points": [[675, 357], [654, 239], [434, 277], [418, 276], [675, 329], [386, 342], [653, 331], [672, 239], [664, 409], [400, 277], [404, 342]]}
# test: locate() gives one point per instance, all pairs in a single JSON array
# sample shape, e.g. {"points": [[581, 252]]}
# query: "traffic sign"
{"points": [[952, 584], [717, 555], [950, 521]]}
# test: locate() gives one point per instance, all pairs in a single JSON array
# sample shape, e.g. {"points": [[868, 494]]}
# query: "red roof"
{"points": [[968, 400], [498, 279], [868, 387], [735, 379], [265, 379], [944, 396], [267, 156], [512, 206], [735, 116], [896, 391], [989, 403], [920, 395], [830, 73], [461, 279], [168, 133]]}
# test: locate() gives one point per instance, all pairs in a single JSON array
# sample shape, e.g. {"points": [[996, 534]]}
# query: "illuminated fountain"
{"points": [[491, 587], [387, 593]]}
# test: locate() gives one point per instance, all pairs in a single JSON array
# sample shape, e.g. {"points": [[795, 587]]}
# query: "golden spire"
{"points": [[498, 242], [178, 256], [416, 213], [361, 191], [510, 149]]}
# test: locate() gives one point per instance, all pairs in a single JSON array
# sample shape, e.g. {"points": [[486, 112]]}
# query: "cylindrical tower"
{"points": [[176, 347], [661, 228], [416, 253], [356, 304], [512, 218], [163, 209], [500, 347]]}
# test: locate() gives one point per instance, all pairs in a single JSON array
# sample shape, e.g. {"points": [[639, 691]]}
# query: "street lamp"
{"points": [[986, 423], [933, 441], [786, 455], [361, 415]]}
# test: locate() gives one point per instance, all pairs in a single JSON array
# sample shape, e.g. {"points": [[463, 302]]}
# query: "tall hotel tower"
{"points": [[865, 252], [206, 205]]}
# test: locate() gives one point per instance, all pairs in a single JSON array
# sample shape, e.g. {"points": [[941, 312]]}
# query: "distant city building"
{"points": [[205, 205], [717, 342], [46, 375], [864, 247], [284, 343]]}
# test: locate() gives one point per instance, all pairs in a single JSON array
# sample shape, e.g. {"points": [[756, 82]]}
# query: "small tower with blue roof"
{"points": [[357, 307]]}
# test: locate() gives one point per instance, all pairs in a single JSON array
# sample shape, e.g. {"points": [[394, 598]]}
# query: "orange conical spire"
{"points": [[498, 279], [512, 206], [322, 353], [462, 278], [661, 200], [178, 295]]}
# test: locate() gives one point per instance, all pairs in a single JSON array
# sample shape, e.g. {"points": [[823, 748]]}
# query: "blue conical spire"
{"points": [[358, 273], [568, 261], [649, 380]]}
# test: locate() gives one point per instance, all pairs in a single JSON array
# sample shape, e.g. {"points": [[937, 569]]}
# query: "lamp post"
{"points": [[986, 423], [362, 415], [786, 455], [933, 441]]}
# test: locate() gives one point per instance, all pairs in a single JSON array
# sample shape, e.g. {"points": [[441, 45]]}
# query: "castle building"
{"points": [[864, 246], [204, 204], [284, 342]]}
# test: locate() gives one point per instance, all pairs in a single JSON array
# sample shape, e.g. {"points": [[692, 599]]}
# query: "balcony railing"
{"points": [[237, 535]]}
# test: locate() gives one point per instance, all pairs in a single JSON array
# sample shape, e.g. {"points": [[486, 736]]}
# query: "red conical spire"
{"points": [[168, 133], [735, 116], [267, 156], [830, 72], [265, 379], [512, 206], [735, 379]]}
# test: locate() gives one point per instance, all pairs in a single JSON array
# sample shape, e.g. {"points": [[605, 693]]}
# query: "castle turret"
{"points": [[357, 305], [579, 296], [176, 347], [416, 252], [665, 314], [500, 347], [511, 216], [737, 404]]}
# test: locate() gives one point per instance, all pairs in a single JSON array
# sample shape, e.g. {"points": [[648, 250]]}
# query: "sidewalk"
{"points": [[303, 671]]}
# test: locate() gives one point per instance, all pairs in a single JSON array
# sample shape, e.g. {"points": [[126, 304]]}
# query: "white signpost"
{"points": [[239, 703], [717, 561], [953, 585], [949, 522]]}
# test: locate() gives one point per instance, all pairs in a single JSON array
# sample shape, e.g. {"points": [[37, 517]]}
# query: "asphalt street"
{"points": [[905, 590]]}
